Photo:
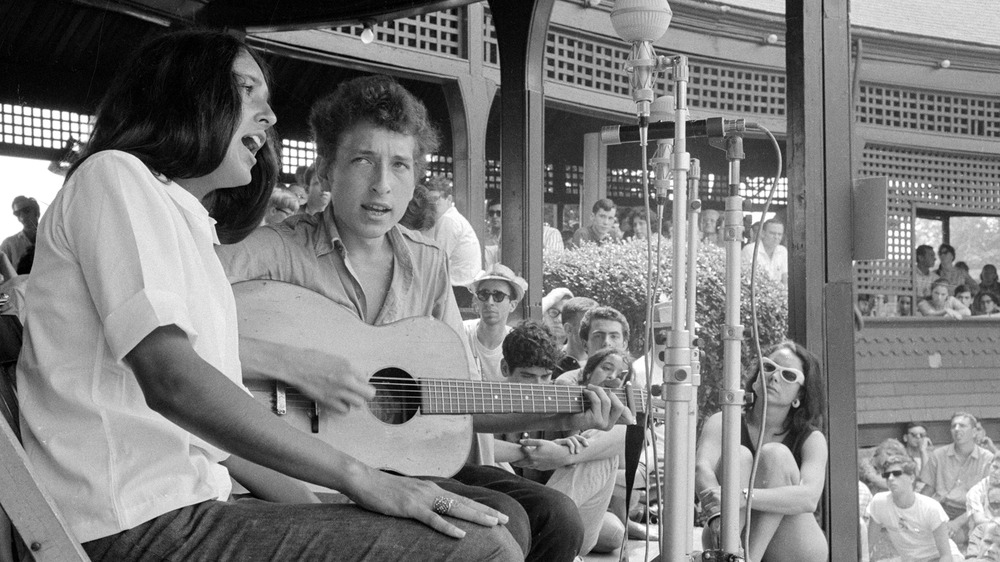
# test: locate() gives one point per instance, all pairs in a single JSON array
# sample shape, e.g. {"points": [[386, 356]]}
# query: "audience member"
{"points": [[552, 306], [455, 235], [772, 257], [918, 445], [27, 211], [951, 470], [601, 327], [319, 195], [494, 222], [280, 206], [984, 543], [964, 296], [575, 350], [301, 193], [708, 225], [923, 277], [941, 303], [981, 502], [871, 468], [582, 466], [988, 281], [916, 525], [552, 240], [954, 275], [986, 303], [636, 224], [602, 225], [904, 306], [497, 291], [792, 458], [421, 212]]}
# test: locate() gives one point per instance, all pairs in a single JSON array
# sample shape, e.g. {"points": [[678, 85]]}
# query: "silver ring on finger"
{"points": [[442, 505]]}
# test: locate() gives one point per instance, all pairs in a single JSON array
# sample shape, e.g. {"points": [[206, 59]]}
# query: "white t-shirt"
{"points": [[119, 253], [910, 530], [459, 241], [487, 359], [775, 265]]}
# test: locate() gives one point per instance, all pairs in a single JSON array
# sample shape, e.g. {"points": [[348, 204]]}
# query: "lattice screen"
{"points": [[437, 32], [295, 153], [41, 128], [938, 112], [955, 182]]}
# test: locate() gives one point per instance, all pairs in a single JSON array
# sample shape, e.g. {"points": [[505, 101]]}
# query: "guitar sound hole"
{"points": [[397, 396]]}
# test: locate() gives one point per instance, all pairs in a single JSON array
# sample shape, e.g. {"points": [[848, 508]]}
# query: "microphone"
{"points": [[714, 127], [641, 22]]}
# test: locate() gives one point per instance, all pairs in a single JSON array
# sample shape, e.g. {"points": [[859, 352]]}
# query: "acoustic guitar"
{"points": [[419, 422]]}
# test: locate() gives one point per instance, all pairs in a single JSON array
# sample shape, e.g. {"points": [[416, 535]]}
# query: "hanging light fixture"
{"points": [[368, 33]]}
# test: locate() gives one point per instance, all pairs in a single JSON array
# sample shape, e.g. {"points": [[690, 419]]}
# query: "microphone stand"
{"points": [[731, 395], [694, 212]]}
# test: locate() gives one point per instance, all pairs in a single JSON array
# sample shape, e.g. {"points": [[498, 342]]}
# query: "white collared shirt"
{"points": [[119, 253]]}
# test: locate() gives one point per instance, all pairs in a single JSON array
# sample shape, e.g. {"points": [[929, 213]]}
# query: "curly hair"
{"points": [[812, 395], [602, 313], [530, 344], [420, 213], [380, 101]]}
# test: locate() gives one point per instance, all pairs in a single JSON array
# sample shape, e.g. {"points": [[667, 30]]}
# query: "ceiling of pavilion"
{"points": [[61, 54]]}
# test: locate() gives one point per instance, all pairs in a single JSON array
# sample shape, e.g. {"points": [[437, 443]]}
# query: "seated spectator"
{"points": [[583, 466], [318, 197], [602, 229], [636, 225], [575, 350], [904, 306], [918, 445], [982, 502], [988, 281], [986, 303], [792, 458], [283, 204], [916, 525], [871, 471], [552, 307], [601, 327], [497, 291], [941, 303], [964, 296], [984, 543], [952, 470], [949, 270]]}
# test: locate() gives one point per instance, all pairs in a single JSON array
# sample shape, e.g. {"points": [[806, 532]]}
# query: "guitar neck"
{"points": [[450, 396]]}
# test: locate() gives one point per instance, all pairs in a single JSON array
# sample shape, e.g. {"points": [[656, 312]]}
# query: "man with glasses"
{"points": [[494, 221], [496, 292], [27, 212], [918, 445], [915, 524], [552, 306]]}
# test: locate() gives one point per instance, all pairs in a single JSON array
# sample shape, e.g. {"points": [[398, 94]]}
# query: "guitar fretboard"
{"points": [[449, 396]]}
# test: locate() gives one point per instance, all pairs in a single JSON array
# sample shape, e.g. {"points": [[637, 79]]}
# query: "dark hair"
{"points": [[419, 214], [601, 313], [962, 265], [175, 106], [923, 249], [977, 303], [377, 100], [603, 205], [598, 357], [27, 260], [30, 201], [633, 215], [492, 201], [812, 395], [441, 184], [530, 344], [913, 424], [946, 248], [961, 289], [576, 307]]}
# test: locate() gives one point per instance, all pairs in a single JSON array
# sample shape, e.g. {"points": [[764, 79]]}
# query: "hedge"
{"points": [[615, 275]]}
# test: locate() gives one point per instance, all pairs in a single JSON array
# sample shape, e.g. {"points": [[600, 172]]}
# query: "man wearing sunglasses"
{"points": [[916, 525], [496, 292]]}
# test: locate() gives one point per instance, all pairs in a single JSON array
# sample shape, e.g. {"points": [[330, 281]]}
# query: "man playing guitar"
{"points": [[372, 137]]}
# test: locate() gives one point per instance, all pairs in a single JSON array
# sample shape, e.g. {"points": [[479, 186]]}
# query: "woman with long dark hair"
{"points": [[792, 458], [130, 378]]}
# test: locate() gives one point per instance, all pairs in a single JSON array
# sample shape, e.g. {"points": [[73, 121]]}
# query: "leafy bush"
{"points": [[615, 275]]}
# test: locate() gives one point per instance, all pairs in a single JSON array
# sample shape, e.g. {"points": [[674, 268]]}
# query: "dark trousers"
{"points": [[556, 527]]}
